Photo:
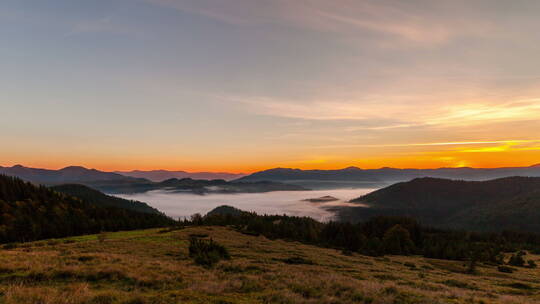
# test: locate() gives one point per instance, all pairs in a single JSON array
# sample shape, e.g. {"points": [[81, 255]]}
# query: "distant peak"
{"points": [[74, 168], [352, 168], [535, 166], [18, 166]]}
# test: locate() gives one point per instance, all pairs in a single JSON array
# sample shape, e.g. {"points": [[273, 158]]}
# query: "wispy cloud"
{"points": [[381, 115], [389, 20], [505, 143]]}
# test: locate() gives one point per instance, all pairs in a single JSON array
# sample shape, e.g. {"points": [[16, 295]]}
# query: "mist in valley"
{"points": [[180, 205]]}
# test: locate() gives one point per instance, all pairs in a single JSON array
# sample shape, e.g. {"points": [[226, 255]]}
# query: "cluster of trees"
{"points": [[377, 236], [95, 197], [29, 212]]}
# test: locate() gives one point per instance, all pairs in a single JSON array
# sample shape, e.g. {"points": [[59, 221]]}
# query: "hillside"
{"points": [[31, 212], [161, 175], [375, 178], [91, 196], [154, 267], [509, 203]]}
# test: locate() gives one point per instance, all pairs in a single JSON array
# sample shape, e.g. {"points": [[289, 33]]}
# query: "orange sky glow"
{"points": [[252, 85]]}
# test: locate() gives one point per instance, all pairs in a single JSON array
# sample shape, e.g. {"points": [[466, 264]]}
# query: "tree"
{"points": [[397, 240]]}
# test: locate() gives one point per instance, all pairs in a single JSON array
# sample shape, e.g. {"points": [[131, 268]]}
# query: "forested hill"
{"points": [[511, 203], [29, 212], [113, 183], [91, 196], [367, 178]]}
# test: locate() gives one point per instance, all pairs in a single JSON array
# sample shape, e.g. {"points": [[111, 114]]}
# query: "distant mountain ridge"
{"points": [[71, 173], [114, 183], [511, 203], [161, 175], [365, 178]]}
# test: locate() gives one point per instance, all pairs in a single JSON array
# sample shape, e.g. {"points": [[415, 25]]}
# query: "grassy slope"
{"points": [[147, 266]]}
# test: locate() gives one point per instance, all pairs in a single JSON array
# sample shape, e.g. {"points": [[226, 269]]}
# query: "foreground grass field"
{"points": [[153, 266]]}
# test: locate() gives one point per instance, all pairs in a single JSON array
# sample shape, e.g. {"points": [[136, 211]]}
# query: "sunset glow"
{"points": [[251, 85]]}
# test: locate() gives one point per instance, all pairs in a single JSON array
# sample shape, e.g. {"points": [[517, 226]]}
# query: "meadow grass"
{"points": [[153, 266]]}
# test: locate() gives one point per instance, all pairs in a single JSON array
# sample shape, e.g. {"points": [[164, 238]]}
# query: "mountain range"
{"points": [[511, 203], [114, 183], [161, 175], [354, 177]]}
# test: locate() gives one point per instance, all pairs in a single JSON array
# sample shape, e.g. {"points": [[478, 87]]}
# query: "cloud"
{"points": [[525, 143], [381, 19], [379, 114], [526, 109]]}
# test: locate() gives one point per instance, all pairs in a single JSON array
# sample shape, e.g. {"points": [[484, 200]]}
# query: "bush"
{"points": [[505, 269], [517, 259], [531, 264], [207, 252], [298, 261], [519, 285], [409, 264]]}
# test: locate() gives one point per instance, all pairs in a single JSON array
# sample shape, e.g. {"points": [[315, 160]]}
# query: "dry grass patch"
{"points": [[153, 267]]}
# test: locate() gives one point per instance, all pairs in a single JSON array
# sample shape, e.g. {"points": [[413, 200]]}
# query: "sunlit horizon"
{"points": [[252, 85]]}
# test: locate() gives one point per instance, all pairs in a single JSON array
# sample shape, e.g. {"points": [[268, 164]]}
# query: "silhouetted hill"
{"points": [[511, 203], [374, 178], [72, 173], [91, 196], [32, 212], [225, 210], [114, 183], [221, 186], [161, 175], [104, 181]]}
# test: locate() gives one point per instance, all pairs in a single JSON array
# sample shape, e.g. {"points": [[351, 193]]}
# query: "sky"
{"points": [[246, 85]]}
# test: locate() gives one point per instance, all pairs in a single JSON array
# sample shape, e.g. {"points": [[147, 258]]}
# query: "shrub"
{"points": [[409, 264], [298, 261], [517, 259], [505, 269], [531, 264], [519, 285], [458, 284], [207, 252]]}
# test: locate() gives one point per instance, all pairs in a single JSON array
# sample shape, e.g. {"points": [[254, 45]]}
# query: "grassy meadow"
{"points": [[153, 266]]}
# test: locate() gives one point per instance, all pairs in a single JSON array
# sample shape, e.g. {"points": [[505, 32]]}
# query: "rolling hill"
{"points": [[91, 196], [375, 178], [511, 203], [153, 266], [30, 212], [161, 175], [114, 183]]}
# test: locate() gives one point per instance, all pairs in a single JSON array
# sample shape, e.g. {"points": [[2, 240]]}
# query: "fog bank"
{"points": [[279, 202]]}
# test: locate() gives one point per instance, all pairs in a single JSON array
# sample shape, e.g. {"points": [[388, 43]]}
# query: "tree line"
{"points": [[29, 212], [378, 236]]}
